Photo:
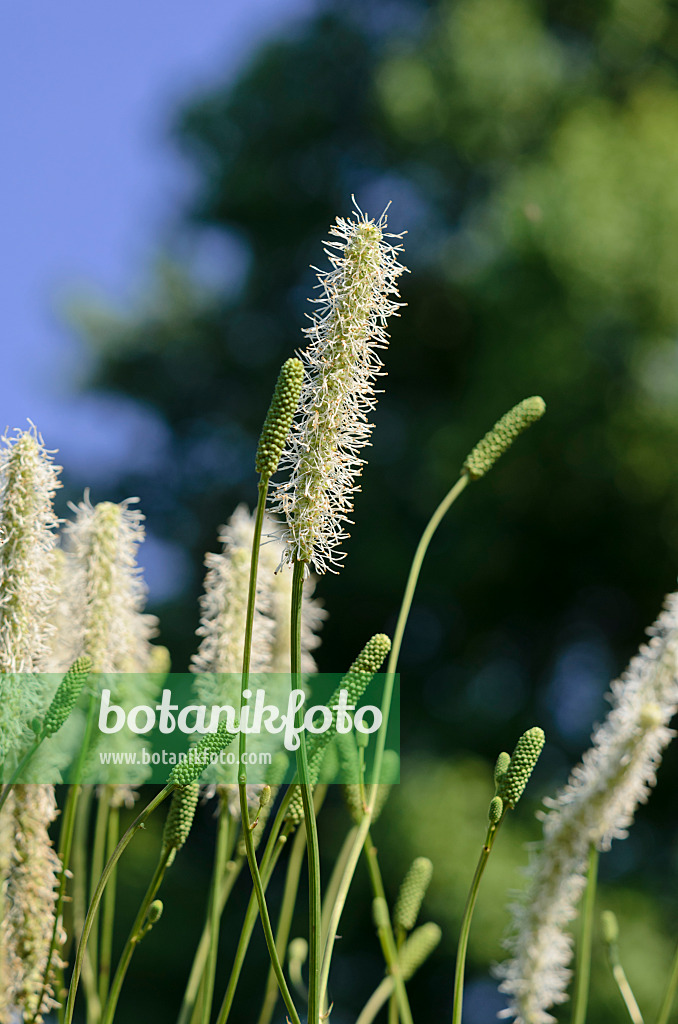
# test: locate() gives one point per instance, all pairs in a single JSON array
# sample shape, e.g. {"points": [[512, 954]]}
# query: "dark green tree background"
{"points": [[531, 152]]}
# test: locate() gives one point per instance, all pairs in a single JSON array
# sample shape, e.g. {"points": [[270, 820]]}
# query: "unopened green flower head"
{"points": [[210, 746], [341, 365], [67, 695], [523, 761], [501, 768], [412, 892], [180, 818], [496, 809], [355, 682], [503, 434], [279, 417], [155, 912], [418, 948], [610, 927], [380, 912]]}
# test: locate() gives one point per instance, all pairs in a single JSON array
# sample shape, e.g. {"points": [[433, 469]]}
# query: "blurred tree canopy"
{"points": [[531, 151]]}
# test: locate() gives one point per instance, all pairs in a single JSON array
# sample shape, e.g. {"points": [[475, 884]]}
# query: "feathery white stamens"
{"points": [[341, 365], [28, 482], [596, 806], [30, 894]]}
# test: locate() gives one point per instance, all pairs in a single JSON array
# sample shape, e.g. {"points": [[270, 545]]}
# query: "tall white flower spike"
{"points": [[596, 806], [341, 365]]}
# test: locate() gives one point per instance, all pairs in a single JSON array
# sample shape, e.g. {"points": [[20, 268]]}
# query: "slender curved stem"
{"points": [[98, 861], [294, 866], [269, 860], [403, 615], [28, 756], [342, 893], [374, 1004], [332, 888], [314, 895], [583, 972], [670, 994], [108, 910], [138, 823], [134, 937], [389, 944], [466, 923], [213, 912], [619, 975], [230, 874]]}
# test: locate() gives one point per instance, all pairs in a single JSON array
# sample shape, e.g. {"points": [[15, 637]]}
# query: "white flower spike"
{"points": [[596, 806], [341, 365]]}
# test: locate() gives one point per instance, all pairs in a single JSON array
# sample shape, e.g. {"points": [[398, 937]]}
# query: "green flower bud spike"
{"points": [[279, 417], [523, 761], [412, 892], [503, 434], [511, 776], [200, 757], [418, 948], [67, 695], [496, 810], [500, 769], [154, 912], [355, 682], [179, 819]]}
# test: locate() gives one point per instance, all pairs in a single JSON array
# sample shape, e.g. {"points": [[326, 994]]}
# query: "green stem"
{"points": [[138, 823], [342, 892], [108, 910], [381, 994], [289, 900], [669, 995], [263, 909], [98, 861], [294, 866], [64, 854], [314, 896], [390, 946], [213, 911], [390, 953], [136, 934], [28, 756], [242, 772], [466, 923], [269, 860], [403, 615], [619, 975], [332, 888], [583, 970], [230, 875]]}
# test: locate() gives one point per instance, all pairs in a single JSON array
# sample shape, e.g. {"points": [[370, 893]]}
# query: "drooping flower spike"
{"points": [[596, 806], [341, 365]]}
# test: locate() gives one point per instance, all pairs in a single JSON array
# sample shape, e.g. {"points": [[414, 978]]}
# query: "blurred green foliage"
{"points": [[531, 151]]}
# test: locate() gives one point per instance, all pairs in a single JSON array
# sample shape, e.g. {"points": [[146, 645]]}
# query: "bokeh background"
{"points": [[170, 171]]}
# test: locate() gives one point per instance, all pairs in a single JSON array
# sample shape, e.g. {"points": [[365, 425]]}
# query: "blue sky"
{"points": [[87, 89]]}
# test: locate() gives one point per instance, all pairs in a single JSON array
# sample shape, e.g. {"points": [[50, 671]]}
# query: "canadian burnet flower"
{"points": [[104, 618], [596, 806], [28, 482], [29, 897], [105, 590], [341, 364], [218, 661]]}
